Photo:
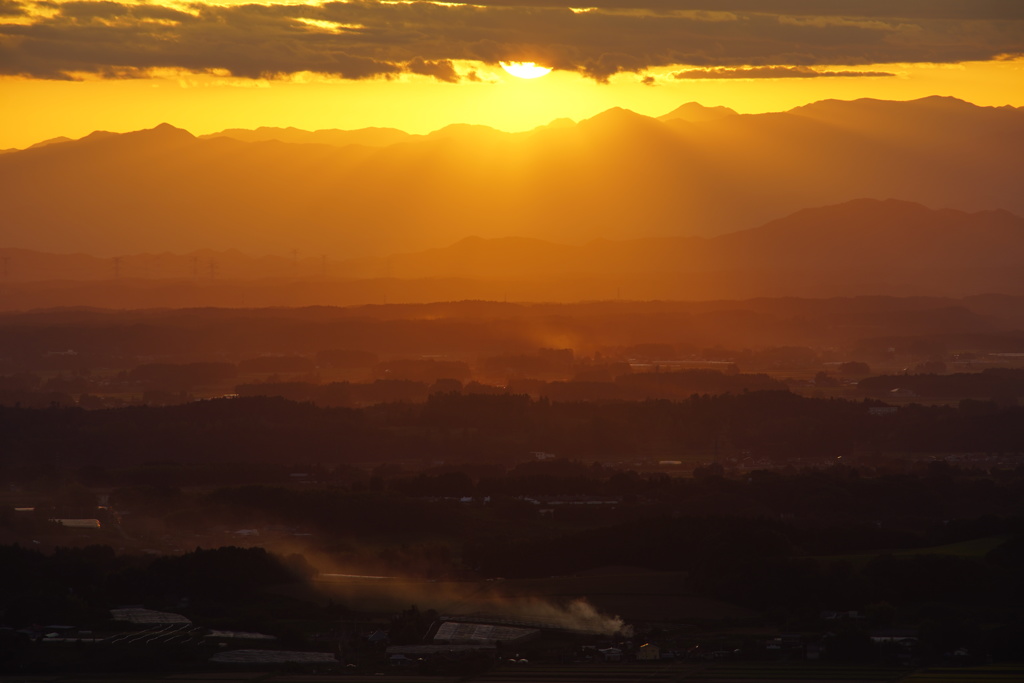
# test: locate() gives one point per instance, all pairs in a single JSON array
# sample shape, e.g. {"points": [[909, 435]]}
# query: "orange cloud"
{"points": [[382, 39], [774, 72]]}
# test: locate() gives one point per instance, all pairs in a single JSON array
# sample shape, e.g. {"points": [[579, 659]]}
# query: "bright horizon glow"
{"points": [[35, 109], [527, 70], [71, 67]]}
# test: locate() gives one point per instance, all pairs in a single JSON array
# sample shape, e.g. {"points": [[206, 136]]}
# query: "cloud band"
{"points": [[368, 39]]}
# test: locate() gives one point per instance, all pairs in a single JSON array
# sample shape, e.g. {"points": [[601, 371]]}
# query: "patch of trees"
{"points": [[338, 394], [427, 370], [181, 376], [79, 585], [346, 358], [336, 513], [414, 381], [768, 566], [787, 544], [657, 521], [276, 364], [775, 425], [655, 385], [999, 384], [544, 364], [225, 574], [854, 369]]}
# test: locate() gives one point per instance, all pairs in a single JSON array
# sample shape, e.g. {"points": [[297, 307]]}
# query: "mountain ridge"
{"points": [[616, 175], [689, 111], [832, 249]]}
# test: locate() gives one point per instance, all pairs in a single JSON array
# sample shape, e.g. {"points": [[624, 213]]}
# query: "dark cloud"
{"points": [[912, 9], [366, 39], [606, 65], [774, 72], [442, 70], [11, 8], [93, 10], [158, 12]]}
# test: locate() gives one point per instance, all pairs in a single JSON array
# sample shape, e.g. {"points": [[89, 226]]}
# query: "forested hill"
{"points": [[772, 425]]}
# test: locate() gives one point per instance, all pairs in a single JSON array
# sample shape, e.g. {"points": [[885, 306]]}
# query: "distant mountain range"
{"points": [[695, 172], [860, 247], [863, 235]]}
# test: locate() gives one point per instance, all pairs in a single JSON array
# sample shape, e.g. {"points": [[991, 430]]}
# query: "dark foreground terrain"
{"points": [[596, 492]]}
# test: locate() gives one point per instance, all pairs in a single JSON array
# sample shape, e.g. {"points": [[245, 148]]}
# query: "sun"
{"points": [[525, 69]]}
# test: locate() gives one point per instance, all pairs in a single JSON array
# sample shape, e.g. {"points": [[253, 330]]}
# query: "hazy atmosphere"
{"points": [[428, 341]]}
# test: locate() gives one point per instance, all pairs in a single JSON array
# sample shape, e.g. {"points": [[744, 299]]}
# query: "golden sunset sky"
{"points": [[69, 68]]}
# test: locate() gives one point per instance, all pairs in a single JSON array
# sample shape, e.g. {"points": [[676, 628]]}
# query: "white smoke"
{"points": [[478, 600], [578, 615]]}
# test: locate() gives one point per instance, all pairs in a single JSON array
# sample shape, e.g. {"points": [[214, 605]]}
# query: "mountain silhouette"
{"points": [[861, 247], [695, 113], [370, 137], [616, 176], [863, 235], [868, 233]]}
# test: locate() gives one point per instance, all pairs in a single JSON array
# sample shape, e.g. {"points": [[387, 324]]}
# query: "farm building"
{"points": [[482, 634]]}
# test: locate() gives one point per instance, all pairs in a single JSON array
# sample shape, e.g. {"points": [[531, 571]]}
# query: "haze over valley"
{"points": [[707, 396], [864, 197], [695, 172]]}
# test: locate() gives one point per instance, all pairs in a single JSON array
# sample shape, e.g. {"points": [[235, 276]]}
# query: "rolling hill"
{"points": [[857, 248]]}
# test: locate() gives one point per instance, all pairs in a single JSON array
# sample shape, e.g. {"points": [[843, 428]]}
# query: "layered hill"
{"points": [[860, 247], [861, 233], [694, 172], [371, 137]]}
